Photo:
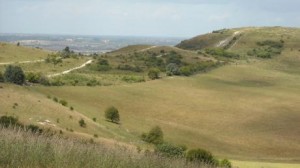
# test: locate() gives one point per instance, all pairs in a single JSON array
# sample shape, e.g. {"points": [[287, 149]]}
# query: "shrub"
{"points": [[225, 163], [112, 114], [133, 79], [82, 123], [55, 99], [33, 77], [71, 108], [1, 77], [94, 119], [7, 121], [221, 52], [63, 102], [186, 70], [200, 155], [155, 136], [93, 82], [14, 74], [34, 129], [170, 150], [172, 69], [153, 73]]}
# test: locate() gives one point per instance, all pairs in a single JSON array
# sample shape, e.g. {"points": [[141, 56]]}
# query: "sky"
{"points": [[178, 18]]}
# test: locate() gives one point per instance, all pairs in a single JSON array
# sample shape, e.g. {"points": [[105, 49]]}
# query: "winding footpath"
{"points": [[70, 70]]}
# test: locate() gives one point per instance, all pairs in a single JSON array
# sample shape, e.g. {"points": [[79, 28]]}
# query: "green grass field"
{"points": [[245, 110]]}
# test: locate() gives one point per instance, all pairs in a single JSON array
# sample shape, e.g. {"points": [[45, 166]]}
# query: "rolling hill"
{"points": [[247, 109]]}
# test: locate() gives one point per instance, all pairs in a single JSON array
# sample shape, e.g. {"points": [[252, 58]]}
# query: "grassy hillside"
{"points": [[247, 109]]}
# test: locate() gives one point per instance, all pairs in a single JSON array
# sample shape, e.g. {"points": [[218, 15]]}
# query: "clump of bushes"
{"points": [[221, 53], [154, 136], [170, 150], [10, 121], [133, 79], [153, 73], [127, 67], [37, 78], [267, 49]]}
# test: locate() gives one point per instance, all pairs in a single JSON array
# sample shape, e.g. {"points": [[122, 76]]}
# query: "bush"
{"points": [[34, 129], [1, 77], [82, 123], [169, 150], [6, 121], [200, 155], [155, 136], [153, 73], [63, 102], [225, 163], [33, 77], [172, 69], [112, 114], [186, 70], [14, 74]]}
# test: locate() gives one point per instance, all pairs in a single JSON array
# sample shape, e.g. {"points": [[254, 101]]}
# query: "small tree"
{"points": [[82, 123], [14, 74], [155, 136], [153, 73], [112, 114]]}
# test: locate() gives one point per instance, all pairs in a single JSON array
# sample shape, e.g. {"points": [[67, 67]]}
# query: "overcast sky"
{"points": [[184, 18]]}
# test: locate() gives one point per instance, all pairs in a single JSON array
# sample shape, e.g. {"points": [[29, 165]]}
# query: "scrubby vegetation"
{"points": [[220, 52], [267, 49]]}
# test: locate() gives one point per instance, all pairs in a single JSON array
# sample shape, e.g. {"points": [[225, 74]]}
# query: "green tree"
{"points": [[186, 70], [155, 136], [112, 114], [14, 74], [54, 59], [153, 73]]}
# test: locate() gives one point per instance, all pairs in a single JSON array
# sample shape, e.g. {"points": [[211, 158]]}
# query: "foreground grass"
{"points": [[25, 149]]}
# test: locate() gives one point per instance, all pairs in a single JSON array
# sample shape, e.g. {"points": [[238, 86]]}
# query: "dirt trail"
{"points": [[223, 43], [22, 62], [70, 70], [146, 49]]}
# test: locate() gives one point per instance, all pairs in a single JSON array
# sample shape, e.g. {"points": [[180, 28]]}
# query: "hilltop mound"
{"points": [[242, 38]]}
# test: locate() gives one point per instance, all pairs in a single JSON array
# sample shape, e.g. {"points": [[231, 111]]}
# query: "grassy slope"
{"points": [[15, 54], [235, 107]]}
